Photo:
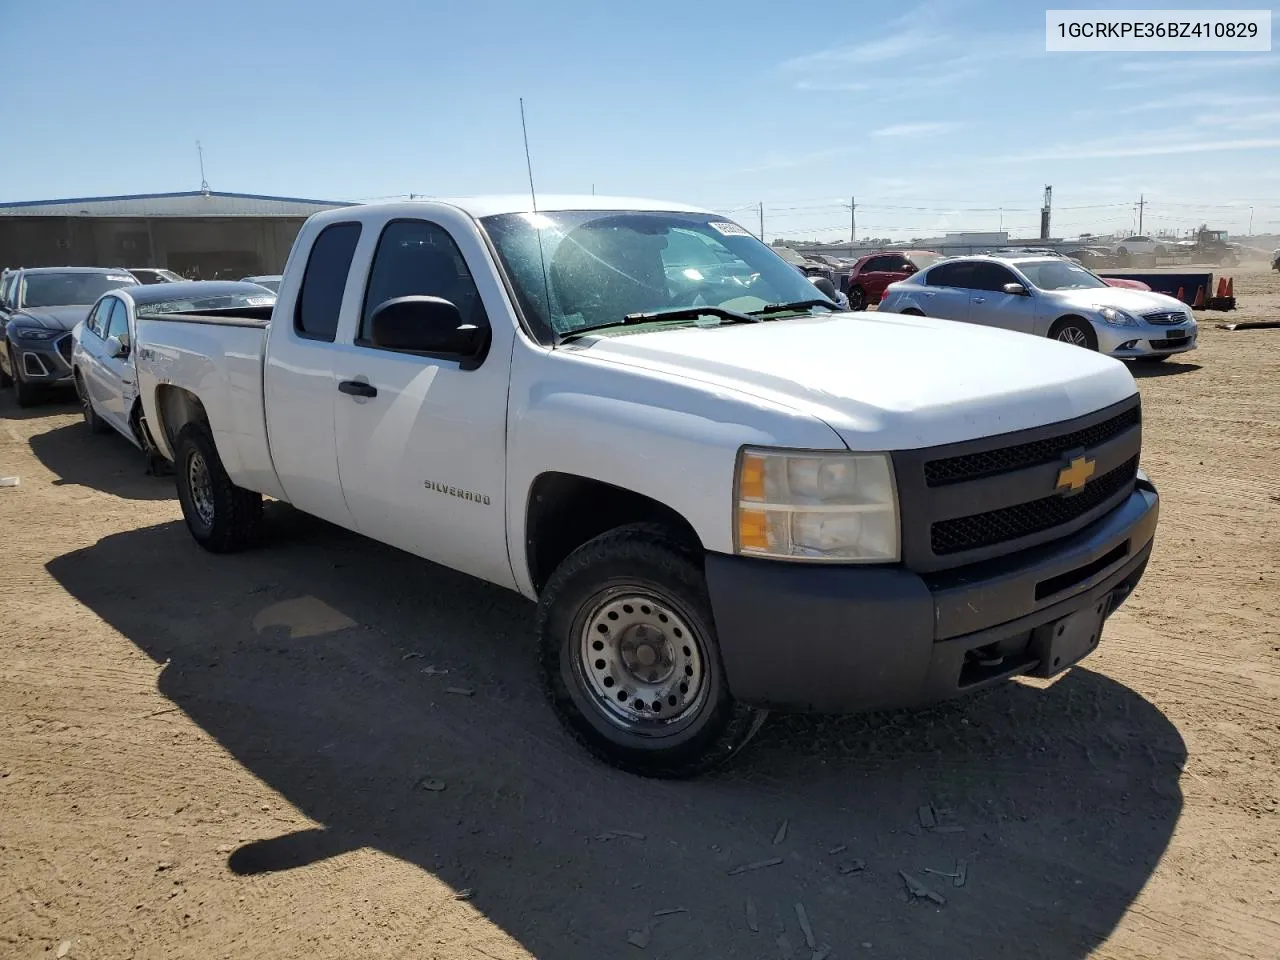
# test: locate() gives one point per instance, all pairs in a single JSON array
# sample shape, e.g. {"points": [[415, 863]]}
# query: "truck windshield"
{"points": [[604, 265], [69, 289], [1059, 275]]}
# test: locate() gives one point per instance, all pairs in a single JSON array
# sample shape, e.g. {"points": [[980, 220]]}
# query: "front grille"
{"points": [[1025, 519], [971, 466], [64, 346], [1165, 316]]}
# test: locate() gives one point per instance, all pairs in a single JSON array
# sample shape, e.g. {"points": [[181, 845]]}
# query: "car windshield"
{"points": [[573, 270], [1059, 275], [68, 289], [221, 301]]}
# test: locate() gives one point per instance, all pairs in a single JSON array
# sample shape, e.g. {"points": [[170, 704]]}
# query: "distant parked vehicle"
{"points": [[874, 272], [1141, 246], [269, 280], [46, 302], [7, 279], [155, 275], [102, 358], [1275, 259], [1048, 297]]}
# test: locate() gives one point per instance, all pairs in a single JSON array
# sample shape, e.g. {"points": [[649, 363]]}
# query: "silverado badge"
{"points": [[1073, 477]]}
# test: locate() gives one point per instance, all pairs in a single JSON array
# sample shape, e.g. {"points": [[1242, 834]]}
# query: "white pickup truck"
{"points": [[725, 496]]}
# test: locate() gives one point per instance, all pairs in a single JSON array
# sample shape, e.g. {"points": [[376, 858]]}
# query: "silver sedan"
{"points": [[1048, 297]]}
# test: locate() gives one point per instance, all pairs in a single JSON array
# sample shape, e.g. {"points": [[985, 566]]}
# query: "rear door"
{"points": [[946, 291], [300, 385], [423, 460], [991, 306]]}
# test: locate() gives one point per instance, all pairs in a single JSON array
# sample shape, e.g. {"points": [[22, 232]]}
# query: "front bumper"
{"points": [[839, 639], [1146, 339], [43, 361]]}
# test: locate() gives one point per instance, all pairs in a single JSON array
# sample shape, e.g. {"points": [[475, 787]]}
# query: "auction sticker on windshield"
{"points": [[729, 229]]}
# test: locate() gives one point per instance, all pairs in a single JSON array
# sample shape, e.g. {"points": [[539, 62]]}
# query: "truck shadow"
{"points": [[1168, 368], [319, 664], [106, 462]]}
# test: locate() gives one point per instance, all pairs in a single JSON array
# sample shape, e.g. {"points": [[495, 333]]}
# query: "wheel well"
{"points": [[176, 408], [565, 511], [1088, 328]]}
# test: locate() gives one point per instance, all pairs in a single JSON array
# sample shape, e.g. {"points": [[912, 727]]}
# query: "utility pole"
{"points": [[853, 220], [1251, 221], [1045, 212], [762, 240], [1142, 202]]}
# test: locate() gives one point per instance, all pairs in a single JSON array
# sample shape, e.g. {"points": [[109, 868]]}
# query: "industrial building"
{"points": [[201, 233]]}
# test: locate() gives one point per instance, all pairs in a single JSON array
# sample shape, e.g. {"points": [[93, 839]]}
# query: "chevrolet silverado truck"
{"points": [[724, 495]]}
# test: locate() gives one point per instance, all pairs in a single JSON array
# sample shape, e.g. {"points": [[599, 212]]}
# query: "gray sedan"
{"points": [[1048, 297]]}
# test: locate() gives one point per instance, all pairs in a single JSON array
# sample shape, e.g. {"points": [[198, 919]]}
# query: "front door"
{"points": [[422, 454], [117, 372], [992, 307]]}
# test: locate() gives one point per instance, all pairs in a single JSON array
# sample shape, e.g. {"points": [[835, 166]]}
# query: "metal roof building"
{"points": [[203, 233]]}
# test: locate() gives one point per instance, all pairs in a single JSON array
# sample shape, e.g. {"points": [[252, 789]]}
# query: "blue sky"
{"points": [[934, 115]]}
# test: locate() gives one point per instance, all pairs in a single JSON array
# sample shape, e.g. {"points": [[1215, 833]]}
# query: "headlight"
{"points": [[798, 505], [1118, 317], [34, 333]]}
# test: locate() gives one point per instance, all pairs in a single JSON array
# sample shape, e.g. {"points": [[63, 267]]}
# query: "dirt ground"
{"points": [[242, 756]]}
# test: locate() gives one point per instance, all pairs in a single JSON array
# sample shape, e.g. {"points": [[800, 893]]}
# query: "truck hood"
{"points": [[53, 318], [1136, 302], [885, 381]]}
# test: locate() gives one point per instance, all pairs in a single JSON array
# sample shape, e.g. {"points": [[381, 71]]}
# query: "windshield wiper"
{"points": [[679, 313], [797, 305]]}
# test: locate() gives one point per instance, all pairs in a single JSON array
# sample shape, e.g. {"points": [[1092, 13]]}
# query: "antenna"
{"points": [[537, 225], [204, 184]]}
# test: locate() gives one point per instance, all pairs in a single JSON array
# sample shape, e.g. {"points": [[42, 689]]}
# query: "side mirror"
{"points": [[827, 287], [429, 326], [118, 347], [1015, 290]]}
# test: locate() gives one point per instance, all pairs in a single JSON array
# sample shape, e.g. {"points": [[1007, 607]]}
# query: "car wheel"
{"points": [[6, 380], [222, 517], [857, 298], [94, 422], [1075, 331], [27, 394], [630, 660]]}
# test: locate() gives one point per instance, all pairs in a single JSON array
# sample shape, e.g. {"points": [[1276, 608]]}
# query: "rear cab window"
{"points": [[315, 315]]}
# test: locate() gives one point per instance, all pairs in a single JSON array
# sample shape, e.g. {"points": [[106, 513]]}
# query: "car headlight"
{"points": [[33, 333], [1119, 318], [800, 505]]}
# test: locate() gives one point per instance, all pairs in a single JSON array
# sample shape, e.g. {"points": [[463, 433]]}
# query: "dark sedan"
{"points": [[45, 304]]}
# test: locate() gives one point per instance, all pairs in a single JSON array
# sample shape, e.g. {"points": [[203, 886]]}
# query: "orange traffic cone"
{"points": [[1222, 287], [1182, 295], [1231, 282], [1199, 301]]}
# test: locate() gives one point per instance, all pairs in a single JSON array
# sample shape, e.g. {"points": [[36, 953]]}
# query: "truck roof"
{"points": [[487, 206]]}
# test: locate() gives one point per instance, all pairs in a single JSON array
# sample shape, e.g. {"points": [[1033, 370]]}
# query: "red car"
{"points": [[872, 273]]}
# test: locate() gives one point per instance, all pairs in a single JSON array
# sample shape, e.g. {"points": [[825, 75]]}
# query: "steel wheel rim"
{"points": [[643, 666], [201, 487], [1073, 335]]}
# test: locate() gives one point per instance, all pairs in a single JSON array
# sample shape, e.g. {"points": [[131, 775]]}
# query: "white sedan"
{"points": [[1048, 297], [102, 358]]}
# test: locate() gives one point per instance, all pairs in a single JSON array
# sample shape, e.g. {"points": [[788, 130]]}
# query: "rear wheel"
{"points": [[857, 298], [630, 659], [222, 517], [94, 422], [1075, 331]]}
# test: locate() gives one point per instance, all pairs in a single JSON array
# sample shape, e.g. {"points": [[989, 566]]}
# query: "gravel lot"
{"points": [[242, 756]]}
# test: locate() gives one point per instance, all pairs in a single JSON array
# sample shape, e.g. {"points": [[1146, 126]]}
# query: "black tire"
{"points": [[223, 518], [644, 561], [6, 381], [1075, 330], [857, 298], [912, 312], [26, 394], [91, 419]]}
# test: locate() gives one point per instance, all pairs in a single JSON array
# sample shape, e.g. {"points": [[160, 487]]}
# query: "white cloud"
{"points": [[1152, 144], [914, 129], [1174, 66]]}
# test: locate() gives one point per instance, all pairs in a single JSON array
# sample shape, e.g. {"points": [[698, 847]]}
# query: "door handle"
{"points": [[979, 299], [357, 388]]}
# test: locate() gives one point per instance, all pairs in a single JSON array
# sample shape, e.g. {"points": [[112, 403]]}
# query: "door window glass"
{"points": [[320, 299], [990, 276], [950, 275], [118, 320]]}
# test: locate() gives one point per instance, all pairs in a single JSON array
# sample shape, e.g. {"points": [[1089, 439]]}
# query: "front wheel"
{"points": [[857, 299], [630, 659], [222, 517], [1076, 332]]}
